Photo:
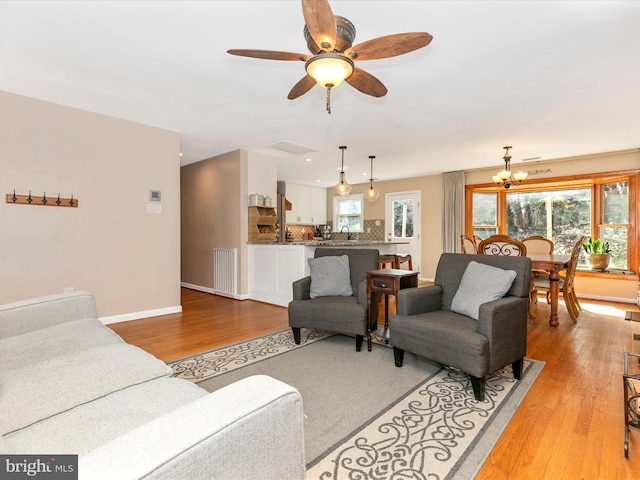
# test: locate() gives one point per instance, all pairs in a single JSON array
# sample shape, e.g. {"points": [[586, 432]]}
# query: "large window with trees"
{"points": [[562, 210]]}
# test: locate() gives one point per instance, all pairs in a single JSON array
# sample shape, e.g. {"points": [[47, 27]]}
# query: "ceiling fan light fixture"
{"points": [[329, 70], [342, 188]]}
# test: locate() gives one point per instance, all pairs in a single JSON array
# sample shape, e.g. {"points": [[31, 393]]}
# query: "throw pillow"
{"points": [[330, 276], [480, 284]]}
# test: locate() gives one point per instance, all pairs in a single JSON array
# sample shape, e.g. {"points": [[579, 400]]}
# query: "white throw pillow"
{"points": [[480, 284], [330, 276]]}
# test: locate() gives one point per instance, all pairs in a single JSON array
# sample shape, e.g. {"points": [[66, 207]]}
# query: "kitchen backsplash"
{"points": [[372, 232]]}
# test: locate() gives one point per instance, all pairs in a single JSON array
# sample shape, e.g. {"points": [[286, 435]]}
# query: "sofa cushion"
{"points": [[330, 276], [66, 381], [90, 425], [480, 284], [39, 345]]}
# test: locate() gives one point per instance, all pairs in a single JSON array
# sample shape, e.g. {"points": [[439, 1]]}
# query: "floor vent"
{"points": [[225, 271]]}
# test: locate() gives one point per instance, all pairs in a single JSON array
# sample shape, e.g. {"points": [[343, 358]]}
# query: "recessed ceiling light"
{"points": [[309, 160]]}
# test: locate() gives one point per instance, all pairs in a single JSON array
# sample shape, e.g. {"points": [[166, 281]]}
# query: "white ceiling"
{"points": [[552, 78]]}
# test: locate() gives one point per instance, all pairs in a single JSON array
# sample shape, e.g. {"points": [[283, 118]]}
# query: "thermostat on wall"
{"points": [[154, 195]]}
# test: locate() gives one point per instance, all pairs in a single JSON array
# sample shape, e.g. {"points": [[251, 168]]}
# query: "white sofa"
{"points": [[70, 385]]}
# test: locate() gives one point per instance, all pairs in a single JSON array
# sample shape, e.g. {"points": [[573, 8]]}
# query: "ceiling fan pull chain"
{"points": [[329, 99]]}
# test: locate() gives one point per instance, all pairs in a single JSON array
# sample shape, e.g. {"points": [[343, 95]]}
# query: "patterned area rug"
{"points": [[366, 418]]}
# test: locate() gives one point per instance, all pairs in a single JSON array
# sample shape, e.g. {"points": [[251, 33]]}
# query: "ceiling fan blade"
{"points": [[318, 17], [366, 83], [389, 46], [302, 87], [270, 54]]}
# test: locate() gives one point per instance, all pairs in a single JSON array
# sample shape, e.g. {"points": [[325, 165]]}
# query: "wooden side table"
{"points": [[388, 281]]}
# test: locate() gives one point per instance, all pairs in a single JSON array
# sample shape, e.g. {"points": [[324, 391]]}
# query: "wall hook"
{"points": [[71, 201], [14, 199], [29, 200], [44, 198], [58, 202]]}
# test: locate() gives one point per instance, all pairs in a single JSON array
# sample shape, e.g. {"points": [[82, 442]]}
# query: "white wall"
{"points": [[109, 245]]}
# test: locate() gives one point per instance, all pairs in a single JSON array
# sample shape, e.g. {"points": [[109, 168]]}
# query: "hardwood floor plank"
{"points": [[569, 426]]}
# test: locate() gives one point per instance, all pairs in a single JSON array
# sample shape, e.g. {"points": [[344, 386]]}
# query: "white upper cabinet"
{"points": [[309, 205]]}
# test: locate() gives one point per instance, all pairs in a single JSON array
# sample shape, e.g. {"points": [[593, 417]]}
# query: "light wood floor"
{"points": [[569, 426]]}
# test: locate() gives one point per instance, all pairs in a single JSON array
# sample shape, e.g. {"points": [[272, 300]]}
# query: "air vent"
{"points": [[291, 147]]}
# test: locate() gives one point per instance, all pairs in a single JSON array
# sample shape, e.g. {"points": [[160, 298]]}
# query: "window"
{"points": [[562, 209], [347, 212], [614, 226], [559, 215], [485, 214], [402, 218]]}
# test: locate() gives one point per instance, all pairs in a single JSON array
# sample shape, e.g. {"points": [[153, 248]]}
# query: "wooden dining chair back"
{"points": [[538, 244], [477, 240], [566, 282], [468, 244], [502, 245]]}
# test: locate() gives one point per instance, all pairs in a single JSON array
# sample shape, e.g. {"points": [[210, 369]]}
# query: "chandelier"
{"points": [[342, 188], [505, 178], [372, 194]]}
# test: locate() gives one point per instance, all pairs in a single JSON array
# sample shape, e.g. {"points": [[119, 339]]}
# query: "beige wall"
{"points": [[215, 194], [109, 245], [431, 213], [432, 208], [211, 218]]}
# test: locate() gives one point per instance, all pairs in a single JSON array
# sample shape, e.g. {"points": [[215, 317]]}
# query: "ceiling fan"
{"points": [[329, 39]]}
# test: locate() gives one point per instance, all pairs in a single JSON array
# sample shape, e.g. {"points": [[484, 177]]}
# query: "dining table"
{"points": [[553, 264]]}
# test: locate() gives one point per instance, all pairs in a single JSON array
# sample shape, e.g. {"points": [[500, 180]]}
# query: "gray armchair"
{"points": [[333, 313], [425, 324]]}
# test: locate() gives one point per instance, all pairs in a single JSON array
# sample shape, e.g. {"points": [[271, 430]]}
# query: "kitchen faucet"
{"points": [[348, 232]]}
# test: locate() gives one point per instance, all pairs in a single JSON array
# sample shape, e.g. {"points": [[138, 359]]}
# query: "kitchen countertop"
{"points": [[332, 243]]}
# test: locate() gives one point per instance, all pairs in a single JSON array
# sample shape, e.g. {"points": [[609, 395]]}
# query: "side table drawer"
{"points": [[381, 284]]}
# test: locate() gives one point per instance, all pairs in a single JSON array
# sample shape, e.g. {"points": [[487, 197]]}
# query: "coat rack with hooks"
{"points": [[42, 200]]}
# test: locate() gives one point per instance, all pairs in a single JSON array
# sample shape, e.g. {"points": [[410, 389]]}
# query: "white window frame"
{"points": [[336, 204]]}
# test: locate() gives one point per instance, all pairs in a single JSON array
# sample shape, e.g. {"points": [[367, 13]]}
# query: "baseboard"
{"points": [[125, 317], [607, 299], [200, 288]]}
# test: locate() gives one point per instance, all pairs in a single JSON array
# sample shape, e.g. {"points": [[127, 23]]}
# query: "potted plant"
{"points": [[597, 254]]}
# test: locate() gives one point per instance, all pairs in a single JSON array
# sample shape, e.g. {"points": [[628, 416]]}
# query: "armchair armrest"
{"points": [[411, 301], [504, 323], [362, 300], [302, 289], [252, 428]]}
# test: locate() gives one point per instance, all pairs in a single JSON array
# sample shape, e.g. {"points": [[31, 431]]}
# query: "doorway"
{"points": [[402, 223]]}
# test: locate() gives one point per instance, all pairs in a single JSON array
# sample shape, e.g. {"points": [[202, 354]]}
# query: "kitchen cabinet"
{"points": [[273, 269], [309, 205]]}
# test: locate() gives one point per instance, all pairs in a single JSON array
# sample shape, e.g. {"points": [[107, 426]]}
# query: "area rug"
{"points": [[366, 418]]}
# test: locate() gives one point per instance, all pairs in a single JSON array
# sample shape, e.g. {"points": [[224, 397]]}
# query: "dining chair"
{"points": [[468, 244], [566, 286], [477, 240], [507, 246], [538, 244], [502, 245]]}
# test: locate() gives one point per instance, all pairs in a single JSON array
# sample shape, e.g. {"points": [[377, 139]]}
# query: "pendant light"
{"points": [[342, 188], [372, 194]]}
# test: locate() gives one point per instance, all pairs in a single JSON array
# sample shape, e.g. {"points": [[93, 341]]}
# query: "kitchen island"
{"points": [[274, 267]]}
